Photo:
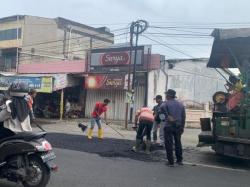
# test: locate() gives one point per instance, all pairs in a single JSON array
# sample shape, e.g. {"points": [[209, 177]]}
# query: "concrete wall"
{"points": [[55, 39], [193, 81], [12, 25], [38, 34], [157, 85]]}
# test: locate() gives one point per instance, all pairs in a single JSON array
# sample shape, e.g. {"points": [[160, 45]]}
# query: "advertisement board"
{"points": [[41, 84], [115, 59]]}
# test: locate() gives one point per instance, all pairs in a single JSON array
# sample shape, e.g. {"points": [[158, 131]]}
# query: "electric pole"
{"points": [[136, 29]]}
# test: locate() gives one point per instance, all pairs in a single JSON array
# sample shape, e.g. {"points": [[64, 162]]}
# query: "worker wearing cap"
{"points": [[157, 121], [144, 119], [174, 123]]}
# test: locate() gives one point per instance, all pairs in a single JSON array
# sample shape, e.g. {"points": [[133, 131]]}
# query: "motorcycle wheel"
{"points": [[38, 174]]}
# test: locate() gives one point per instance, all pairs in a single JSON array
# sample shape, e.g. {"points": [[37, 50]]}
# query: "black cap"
{"points": [[171, 93], [158, 97]]}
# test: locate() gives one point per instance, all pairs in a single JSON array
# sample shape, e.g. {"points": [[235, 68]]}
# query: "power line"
{"points": [[56, 47], [178, 34], [189, 31], [71, 39], [184, 71], [182, 27], [53, 41], [172, 48], [83, 50]]}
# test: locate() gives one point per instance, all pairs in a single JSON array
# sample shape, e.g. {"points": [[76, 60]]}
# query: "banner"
{"points": [[41, 84]]}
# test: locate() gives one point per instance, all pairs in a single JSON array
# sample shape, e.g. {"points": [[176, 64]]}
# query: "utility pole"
{"points": [[129, 75], [147, 75], [69, 42], [136, 28], [17, 40], [64, 42]]}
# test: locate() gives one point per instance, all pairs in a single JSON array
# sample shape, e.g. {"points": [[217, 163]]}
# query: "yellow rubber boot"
{"points": [[100, 133], [90, 133]]}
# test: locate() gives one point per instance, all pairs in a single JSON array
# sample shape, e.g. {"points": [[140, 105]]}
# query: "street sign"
{"points": [[129, 97]]}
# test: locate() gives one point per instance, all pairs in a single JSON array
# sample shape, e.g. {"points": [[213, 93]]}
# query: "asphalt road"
{"points": [[110, 163]]}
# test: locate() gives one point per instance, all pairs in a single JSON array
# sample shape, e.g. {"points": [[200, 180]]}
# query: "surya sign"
{"points": [[119, 58]]}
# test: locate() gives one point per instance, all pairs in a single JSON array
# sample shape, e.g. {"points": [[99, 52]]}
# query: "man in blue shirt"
{"points": [[174, 122]]}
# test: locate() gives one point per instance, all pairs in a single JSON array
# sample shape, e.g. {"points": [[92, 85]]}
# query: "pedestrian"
{"points": [[17, 109], [174, 123], [100, 108], [67, 108], [30, 100], [157, 121], [144, 122]]}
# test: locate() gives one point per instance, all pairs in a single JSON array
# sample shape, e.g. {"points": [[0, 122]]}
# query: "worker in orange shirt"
{"points": [[144, 119]]}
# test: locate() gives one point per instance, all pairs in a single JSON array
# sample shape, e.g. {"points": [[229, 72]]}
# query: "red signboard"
{"points": [[115, 58], [106, 82]]}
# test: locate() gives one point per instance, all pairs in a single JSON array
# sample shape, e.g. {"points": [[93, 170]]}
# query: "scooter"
{"points": [[27, 158]]}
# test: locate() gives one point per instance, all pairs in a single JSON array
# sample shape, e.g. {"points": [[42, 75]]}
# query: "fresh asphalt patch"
{"points": [[107, 147], [111, 147]]}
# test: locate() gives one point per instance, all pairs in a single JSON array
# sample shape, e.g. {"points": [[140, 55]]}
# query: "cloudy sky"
{"points": [[178, 28]]}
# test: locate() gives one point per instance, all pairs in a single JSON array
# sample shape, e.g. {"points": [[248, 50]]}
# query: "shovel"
{"points": [[115, 130]]}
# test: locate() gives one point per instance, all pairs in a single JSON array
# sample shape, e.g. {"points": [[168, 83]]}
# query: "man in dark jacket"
{"points": [[157, 121], [174, 122]]}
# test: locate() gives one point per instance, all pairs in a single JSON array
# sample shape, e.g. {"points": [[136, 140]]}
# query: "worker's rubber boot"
{"points": [[148, 146], [90, 132], [100, 133], [136, 148]]}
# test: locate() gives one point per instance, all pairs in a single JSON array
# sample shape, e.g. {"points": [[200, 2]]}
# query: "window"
{"points": [[10, 34]]}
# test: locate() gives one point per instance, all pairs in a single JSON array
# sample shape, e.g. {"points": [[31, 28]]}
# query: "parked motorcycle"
{"points": [[27, 158]]}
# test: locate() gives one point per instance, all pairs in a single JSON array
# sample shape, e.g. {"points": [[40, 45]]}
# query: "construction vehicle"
{"points": [[228, 131]]}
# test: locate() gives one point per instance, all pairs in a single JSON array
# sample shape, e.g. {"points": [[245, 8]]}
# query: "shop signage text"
{"points": [[106, 82], [119, 58]]}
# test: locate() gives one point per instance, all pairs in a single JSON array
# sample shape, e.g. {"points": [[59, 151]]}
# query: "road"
{"points": [[111, 163]]}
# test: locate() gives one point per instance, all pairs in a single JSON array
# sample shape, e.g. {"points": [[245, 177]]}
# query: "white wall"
{"points": [[193, 81], [156, 86]]}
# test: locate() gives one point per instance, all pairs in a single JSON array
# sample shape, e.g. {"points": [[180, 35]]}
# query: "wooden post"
{"points": [[61, 105]]}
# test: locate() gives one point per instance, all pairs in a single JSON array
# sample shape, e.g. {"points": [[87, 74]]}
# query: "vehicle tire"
{"points": [[39, 174]]}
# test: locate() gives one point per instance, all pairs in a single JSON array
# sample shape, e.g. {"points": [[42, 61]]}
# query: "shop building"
{"points": [[108, 77]]}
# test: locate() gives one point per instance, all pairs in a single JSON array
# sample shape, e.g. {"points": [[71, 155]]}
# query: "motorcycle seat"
{"points": [[26, 136]]}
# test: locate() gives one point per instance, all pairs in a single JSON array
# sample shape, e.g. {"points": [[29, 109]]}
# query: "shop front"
{"points": [[108, 77], [51, 105], [113, 87]]}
